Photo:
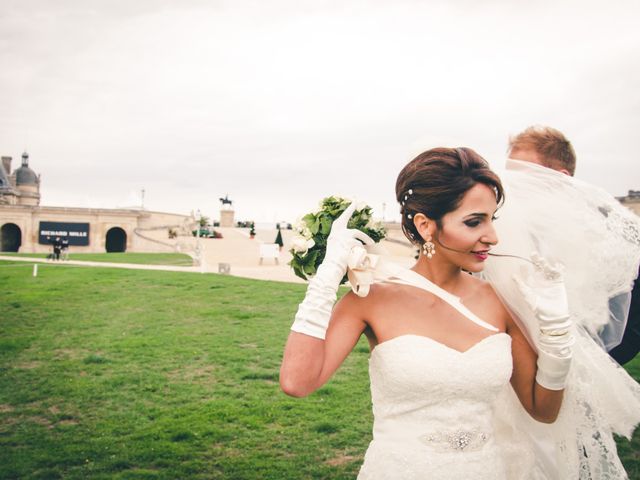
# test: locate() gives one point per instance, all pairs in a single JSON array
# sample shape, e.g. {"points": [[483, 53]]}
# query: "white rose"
{"points": [[300, 225], [302, 229], [301, 245], [374, 224]]}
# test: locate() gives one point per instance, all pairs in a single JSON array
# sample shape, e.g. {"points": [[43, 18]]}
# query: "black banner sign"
{"points": [[76, 233]]}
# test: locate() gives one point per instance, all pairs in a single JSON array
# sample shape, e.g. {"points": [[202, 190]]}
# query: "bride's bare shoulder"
{"points": [[378, 293], [478, 287], [484, 293]]}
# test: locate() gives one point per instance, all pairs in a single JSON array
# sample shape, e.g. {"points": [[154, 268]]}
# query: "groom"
{"points": [[549, 148]]}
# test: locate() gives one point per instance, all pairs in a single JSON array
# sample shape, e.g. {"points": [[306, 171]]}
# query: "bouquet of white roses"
{"points": [[310, 244]]}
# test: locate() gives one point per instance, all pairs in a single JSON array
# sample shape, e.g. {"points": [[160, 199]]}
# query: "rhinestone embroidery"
{"points": [[460, 440]]}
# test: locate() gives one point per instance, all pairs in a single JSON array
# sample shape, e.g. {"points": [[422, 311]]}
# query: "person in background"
{"points": [[65, 248], [548, 147], [57, 248]]}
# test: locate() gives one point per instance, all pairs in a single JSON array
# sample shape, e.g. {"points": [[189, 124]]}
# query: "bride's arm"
{"points": [[541, 403], [540, 384], [308, 362], [322, 336]]}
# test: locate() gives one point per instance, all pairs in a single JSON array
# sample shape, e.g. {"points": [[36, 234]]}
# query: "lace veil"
{"points": [[598, 242]]}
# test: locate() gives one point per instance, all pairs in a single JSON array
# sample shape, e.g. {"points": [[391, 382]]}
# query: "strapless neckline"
{"points": [[436, 342], [433, 408]]}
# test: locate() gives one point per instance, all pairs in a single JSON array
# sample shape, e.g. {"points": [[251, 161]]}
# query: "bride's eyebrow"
{"points": [[479, 214], [476, 215]]}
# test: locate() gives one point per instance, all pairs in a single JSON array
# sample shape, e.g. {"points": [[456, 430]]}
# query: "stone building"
{"points": [[25, 226], [631, 200], [21, 187]]}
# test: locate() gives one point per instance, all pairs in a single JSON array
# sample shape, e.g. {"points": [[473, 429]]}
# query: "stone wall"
{"points": [[145, 231]]}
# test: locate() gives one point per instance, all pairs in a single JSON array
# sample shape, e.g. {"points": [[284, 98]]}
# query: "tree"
{"points": [[279, 238]]}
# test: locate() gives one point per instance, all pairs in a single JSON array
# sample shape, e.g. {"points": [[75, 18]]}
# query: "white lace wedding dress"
{"points": [[434, 409], [441, 414]]}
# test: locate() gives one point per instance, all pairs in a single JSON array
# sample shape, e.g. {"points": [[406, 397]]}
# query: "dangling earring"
{"points": [[428, 248]]}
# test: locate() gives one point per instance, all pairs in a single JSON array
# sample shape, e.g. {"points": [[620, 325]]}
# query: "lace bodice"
{"points": [[433, 409]]}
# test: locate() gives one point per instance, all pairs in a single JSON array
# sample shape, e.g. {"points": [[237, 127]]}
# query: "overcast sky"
{"points": [[279, 103]]}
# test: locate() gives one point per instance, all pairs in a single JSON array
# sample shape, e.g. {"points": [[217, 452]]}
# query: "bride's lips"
{"points": [[481, 254]]}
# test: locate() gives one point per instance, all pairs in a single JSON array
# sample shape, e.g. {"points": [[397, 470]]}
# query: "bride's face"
{"points": [[467, 233]]}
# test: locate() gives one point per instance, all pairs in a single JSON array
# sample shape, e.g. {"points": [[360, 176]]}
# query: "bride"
{"points": [[451, 368]]}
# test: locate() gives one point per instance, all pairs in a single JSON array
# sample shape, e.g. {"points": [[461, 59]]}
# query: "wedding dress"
{"points": [[434, 411], [434, 407], [440, 414]]}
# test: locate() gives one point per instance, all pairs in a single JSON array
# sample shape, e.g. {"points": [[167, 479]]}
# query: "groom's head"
{"points": [[545, 146]]}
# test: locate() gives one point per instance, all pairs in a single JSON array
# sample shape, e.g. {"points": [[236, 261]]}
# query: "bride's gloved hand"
{"points": [[314, 312], [545, 293]]}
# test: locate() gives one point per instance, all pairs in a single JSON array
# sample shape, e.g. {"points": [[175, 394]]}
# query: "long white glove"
{"points": [[545, 293], [314, 312]]}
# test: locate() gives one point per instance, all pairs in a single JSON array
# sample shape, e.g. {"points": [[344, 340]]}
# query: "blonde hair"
{"points": [[553, 148]]}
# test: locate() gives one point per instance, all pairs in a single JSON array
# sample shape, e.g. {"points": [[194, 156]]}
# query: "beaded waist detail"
{"points": [[459, 440]]}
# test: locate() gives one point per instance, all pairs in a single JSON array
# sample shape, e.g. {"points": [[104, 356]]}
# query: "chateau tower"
{"points": [[22, 187]]}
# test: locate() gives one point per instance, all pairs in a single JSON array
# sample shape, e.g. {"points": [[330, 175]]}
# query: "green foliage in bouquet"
{"points": [[310, 244]]}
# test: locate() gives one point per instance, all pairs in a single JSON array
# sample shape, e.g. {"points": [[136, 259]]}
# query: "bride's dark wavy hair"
{"points": [[435, 181]]}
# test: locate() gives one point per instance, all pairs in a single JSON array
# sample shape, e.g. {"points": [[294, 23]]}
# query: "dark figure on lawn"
{"points": [[57, 248]]}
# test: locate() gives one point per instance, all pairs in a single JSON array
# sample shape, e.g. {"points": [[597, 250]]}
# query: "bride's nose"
{"points": [[490, 237]]}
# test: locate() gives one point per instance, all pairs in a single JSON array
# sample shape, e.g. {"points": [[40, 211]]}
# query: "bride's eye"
{"points": [[472, 223]]}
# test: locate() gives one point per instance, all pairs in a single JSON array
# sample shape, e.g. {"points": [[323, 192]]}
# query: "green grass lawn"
{"points": [[141, 374], [175, 259], [131, 374]]}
